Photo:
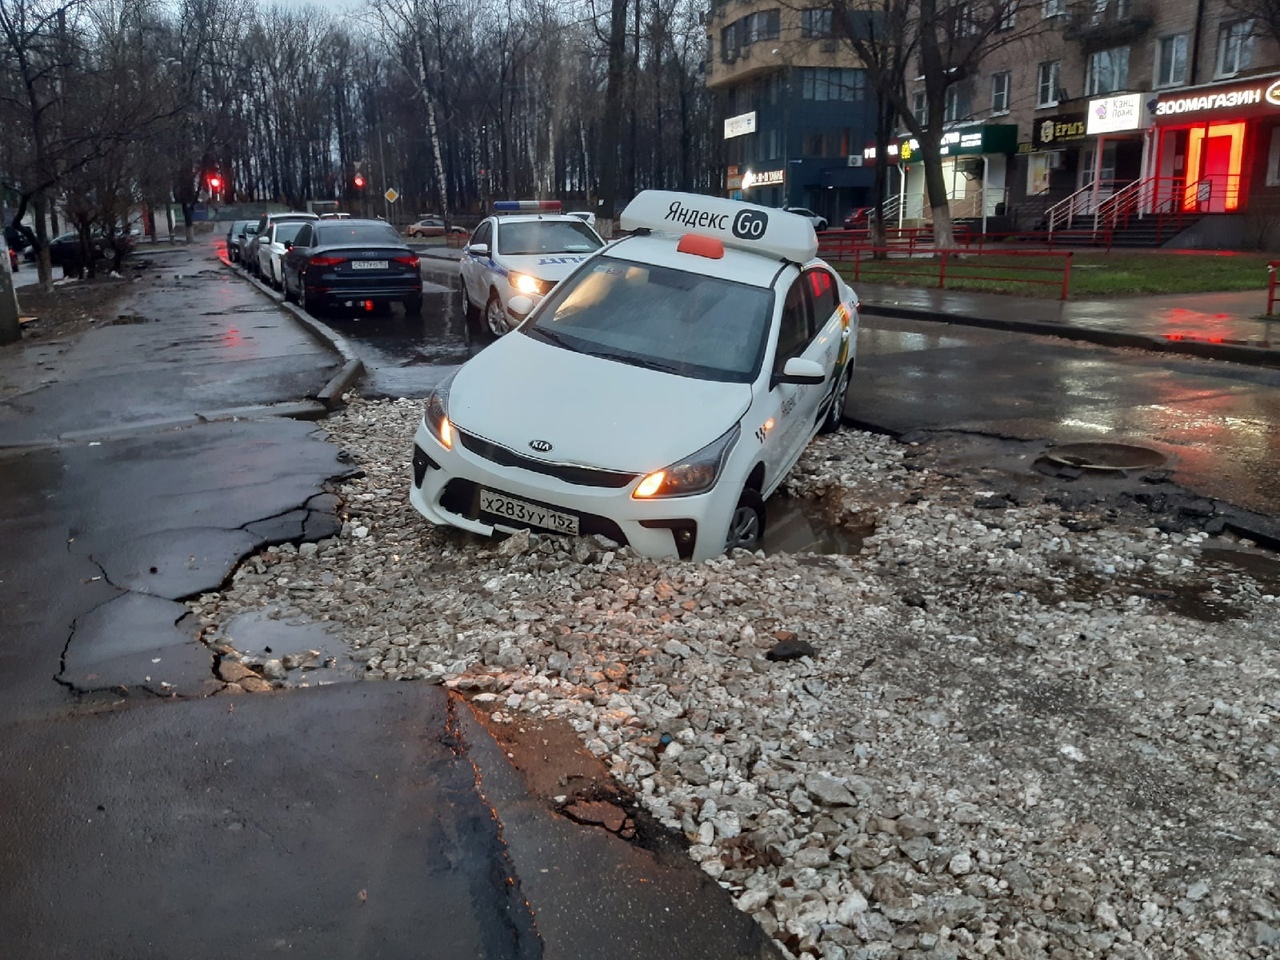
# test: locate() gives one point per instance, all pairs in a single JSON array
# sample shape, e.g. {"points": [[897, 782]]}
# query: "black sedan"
{"points": [[358, 264]]}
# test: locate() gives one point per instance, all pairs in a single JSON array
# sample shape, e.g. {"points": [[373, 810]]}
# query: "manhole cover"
{"points": [[1105, 456]]}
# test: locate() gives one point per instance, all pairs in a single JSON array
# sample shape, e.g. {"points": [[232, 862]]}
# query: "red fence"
{"points": [[1271, 286], [1007, 266]]}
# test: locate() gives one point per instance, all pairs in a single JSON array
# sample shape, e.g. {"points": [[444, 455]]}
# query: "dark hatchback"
{"points": [[359, 264]]}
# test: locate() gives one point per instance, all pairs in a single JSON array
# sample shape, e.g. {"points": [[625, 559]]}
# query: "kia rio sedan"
{"points": [[665, 387]]}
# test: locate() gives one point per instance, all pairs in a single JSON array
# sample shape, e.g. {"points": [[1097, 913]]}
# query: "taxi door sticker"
{"points": [[845, 317]]}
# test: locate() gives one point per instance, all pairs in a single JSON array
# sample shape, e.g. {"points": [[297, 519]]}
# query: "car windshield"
{"points": [[353, 233], [656, 317], [287, 231], [546, 236]]}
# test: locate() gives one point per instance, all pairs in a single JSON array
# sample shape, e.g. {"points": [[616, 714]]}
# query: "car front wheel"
{"points": [[746, 526], [495, 315]]}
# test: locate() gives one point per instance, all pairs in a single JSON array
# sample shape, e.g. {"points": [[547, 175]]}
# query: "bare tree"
{"points": [[943, 43]]}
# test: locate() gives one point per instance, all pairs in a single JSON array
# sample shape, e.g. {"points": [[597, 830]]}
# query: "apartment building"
{"points": [[1173, 103], [796, 107]]}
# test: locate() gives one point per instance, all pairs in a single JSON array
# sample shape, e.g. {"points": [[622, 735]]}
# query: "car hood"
{"points": [[545, 266], [593, 412]]}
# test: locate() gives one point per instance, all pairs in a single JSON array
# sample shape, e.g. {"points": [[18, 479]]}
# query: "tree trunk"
{"points": [[612, 109]]}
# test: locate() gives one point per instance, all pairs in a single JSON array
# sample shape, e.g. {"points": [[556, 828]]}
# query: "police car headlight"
{"points": [[436, 414], [696, 473], [526, 284]]}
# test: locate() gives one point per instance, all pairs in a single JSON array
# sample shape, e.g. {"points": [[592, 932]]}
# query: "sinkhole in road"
{"points": [[797, 524]]}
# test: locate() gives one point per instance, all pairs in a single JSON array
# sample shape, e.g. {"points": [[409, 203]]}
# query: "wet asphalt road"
{"points": [[146, 811], [1217, 423]]}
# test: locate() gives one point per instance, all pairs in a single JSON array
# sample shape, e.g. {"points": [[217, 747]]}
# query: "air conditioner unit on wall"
{"points": [[855, 160], [1057, 159]]}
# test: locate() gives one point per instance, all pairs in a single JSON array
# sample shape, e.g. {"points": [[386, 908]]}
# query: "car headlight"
{"points": [[696, 473], [526, 284], [436, 414]]}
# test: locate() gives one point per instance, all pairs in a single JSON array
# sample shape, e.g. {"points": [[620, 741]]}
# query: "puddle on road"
{"points": [[259, 637], [802, 525]]}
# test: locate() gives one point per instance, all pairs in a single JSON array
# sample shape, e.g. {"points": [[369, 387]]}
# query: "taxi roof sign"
{"points": [[745, 226]]}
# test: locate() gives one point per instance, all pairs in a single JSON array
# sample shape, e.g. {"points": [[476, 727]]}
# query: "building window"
{"points": [[773, 143], [920, 108], [815, 23], [729, 43], [1235, 47], [1108, 71], [832, 83], [957, 104], [1053, 8], [1273, 159], [1171, 61], [1009, 17], [1047, 84], [760, 26], [1000, 92]]}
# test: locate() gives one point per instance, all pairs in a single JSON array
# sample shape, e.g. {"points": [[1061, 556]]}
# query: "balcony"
{"points": [[1098, 24]]}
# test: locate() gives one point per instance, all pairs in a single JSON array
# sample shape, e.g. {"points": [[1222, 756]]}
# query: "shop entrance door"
{"points": [[1215, 156]]}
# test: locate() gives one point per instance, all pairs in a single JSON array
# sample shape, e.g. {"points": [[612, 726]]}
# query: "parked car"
{"points": [[243, 240], [586, 216], [520, 251], [661, 392], [859, 218], [66, 251], [431, 227], [335, 216], [272, 247], [819, 222], [351, 263], [253, 261], [234, 233]]}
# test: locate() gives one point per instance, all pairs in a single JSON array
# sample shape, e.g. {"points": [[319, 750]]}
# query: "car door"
{"points": [[811, 328], [472, 266], [822, 291], [298, 254], [784, 399]]}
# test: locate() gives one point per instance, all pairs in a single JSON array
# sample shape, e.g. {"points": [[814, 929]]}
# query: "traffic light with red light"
{"points": [[215, 182], [359, 181]]}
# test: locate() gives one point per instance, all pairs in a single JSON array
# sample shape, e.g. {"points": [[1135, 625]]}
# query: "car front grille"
{"points": [[579, 476]]}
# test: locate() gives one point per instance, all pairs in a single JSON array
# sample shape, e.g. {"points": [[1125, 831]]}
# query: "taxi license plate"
{"points": [[368, 264], [519, 510]]}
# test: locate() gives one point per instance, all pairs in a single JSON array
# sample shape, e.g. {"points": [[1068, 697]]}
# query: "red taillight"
{"points": [[325, 261], [410, 261]]}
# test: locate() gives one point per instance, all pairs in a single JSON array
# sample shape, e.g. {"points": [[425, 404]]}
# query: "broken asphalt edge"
{"points": [[352, 367], [1230, 352]]}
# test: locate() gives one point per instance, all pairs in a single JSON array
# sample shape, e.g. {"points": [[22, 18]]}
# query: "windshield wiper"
{"points": [[640, 362], [552, 337]]}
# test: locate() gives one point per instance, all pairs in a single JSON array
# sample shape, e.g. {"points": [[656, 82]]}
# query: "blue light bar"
{"points": [[526, 206]]}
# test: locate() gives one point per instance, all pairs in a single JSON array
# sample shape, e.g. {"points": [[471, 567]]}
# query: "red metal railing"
{"points": [[1271, 286], [834, 244], [957, 265]]}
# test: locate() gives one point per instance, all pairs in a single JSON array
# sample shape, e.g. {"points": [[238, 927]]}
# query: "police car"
{"points": [[663, 390], [524, 249]]}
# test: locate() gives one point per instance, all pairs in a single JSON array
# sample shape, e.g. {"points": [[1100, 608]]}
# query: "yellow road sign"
{"points": [[391, 196]]}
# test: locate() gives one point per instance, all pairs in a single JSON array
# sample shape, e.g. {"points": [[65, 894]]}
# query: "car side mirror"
{"points": [[520, 306], [801, 371], [288, 244], [479, 249]]}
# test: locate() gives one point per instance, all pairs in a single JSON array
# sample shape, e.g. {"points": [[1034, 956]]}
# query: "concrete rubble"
{"points": [[1024, 731]]}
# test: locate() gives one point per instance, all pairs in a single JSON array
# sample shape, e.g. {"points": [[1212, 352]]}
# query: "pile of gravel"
{"points": [[1020, 731]]}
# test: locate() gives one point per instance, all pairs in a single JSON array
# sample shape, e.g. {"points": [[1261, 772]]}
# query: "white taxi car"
{"points": [[664, 388], [524, 249]]}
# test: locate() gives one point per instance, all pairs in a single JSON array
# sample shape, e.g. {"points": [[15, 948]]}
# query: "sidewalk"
{"points": [[1216, 326]]}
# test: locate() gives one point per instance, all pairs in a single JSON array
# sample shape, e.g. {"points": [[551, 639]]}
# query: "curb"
{"points": [[1231, 352], [352, 367]]}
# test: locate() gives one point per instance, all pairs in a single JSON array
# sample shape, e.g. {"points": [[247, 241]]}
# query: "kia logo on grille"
{"points": [[542, 446]]}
